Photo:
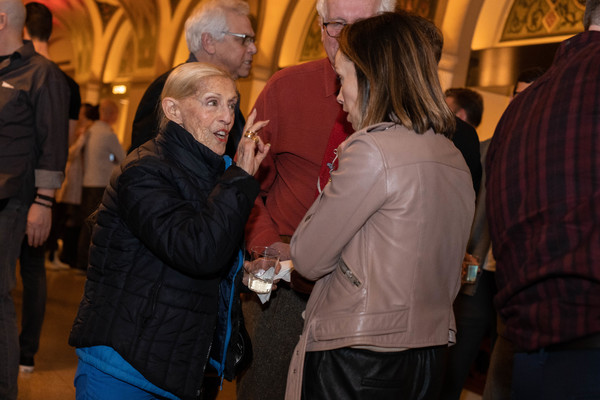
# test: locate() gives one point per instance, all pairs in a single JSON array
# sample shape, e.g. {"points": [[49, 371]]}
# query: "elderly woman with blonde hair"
{"points": [[160, 300]]}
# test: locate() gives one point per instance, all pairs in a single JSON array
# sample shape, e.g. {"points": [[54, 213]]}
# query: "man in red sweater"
{"points": [[306, 126]]}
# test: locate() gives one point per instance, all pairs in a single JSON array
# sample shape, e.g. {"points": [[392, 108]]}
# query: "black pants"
{"points": [[33, 276], [475, 319], [66, 226], [348, 373], [90, 200]]}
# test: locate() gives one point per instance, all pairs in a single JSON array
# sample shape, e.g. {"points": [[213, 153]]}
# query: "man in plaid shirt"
{"points": [[543, 205]]}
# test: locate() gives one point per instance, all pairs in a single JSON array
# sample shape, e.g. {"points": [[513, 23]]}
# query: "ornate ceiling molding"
{"points": [[144, 18], [106, 11]]}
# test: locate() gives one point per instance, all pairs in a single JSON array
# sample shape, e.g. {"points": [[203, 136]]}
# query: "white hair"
{"points": [[211, 18], [384, 6]]}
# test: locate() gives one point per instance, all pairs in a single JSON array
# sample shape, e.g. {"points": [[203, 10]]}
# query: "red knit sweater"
{"points": [[300, 102]]}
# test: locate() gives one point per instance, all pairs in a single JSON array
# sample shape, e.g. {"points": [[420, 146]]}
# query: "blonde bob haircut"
{"points": [[396, 72], [185, 81]]}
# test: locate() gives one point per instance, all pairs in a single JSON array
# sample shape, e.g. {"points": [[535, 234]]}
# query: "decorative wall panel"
{"points": [[529, 19], [145, 21]]}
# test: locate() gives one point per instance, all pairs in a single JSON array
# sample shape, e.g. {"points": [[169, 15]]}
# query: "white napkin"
{"points": [[284, 273]]}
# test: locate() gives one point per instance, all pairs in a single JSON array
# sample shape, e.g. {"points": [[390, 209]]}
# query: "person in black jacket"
{"points": [[219, 32], [165, 257], [465, 136]]}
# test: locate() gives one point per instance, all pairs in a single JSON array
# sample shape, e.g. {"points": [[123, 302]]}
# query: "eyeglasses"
{"points": [[247, 40], [334, 29]]}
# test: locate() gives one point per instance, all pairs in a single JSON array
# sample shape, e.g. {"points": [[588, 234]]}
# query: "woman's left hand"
{"points": [[252, 150]]}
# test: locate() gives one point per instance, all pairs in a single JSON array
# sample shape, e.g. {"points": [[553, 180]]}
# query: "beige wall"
{"points": [[493, 107]]}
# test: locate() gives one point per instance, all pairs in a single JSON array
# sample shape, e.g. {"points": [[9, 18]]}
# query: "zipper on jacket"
{"points": [[154, 292], [153, 301], [348, 274]]}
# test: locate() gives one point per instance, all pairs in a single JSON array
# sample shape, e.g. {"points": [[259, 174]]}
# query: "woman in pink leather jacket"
{"points": [[386, 237]]}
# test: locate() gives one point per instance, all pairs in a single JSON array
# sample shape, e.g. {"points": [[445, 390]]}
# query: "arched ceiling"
{"points": [[132, 41], [92, 26], [153, 29], [145, 19]]}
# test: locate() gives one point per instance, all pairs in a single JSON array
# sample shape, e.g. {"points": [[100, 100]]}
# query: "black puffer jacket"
{"points": [[169, 227]]}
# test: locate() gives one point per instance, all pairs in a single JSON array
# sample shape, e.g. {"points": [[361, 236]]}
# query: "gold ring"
{"points": [[251, 135]]}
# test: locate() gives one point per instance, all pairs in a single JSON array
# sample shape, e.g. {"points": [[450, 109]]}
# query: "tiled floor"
{"points": [[56, 362]]}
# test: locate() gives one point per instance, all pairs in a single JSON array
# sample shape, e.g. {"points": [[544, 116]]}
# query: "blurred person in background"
{"points": [[466, 104], [525, 79], [473, 306], [464, 136], [68, 197], [102, 152]]}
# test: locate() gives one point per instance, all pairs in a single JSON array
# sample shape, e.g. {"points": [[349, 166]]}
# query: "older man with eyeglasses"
{"points": [[219, 33], [306, 126]]}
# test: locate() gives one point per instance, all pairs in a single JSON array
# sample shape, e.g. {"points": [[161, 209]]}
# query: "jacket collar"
{"points": [[189, 152], [381, 126], [22, 53], [565, 51], [331, 83], [192, 58], [574, 43]]}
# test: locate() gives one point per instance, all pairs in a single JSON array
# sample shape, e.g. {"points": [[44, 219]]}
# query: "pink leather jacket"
{"points": [[385, 240]]}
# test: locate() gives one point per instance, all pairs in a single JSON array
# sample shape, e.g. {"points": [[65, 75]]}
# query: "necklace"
{"points": [[331, 166]]}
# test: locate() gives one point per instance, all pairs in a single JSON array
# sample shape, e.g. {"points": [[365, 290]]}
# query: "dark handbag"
{"points": [[240, 353]]}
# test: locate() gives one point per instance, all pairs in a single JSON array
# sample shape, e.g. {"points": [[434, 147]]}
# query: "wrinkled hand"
{"points": [[39, 221], [284, 252], [252, 151]]}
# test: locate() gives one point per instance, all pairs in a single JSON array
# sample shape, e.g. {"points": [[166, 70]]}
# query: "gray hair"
{"points": [[592, 13], [384, 6], [211, 18], [15, 12]]}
